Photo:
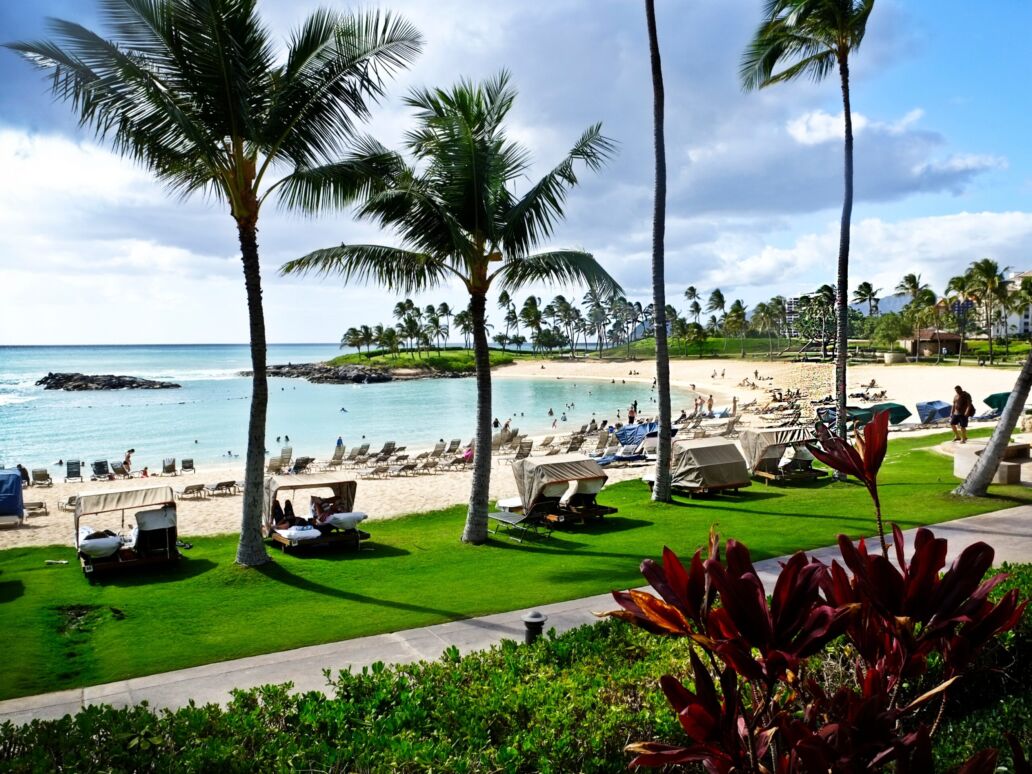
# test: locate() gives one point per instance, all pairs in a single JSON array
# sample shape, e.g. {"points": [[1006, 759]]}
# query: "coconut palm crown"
{"points": [[195, 91], [459, 220]]}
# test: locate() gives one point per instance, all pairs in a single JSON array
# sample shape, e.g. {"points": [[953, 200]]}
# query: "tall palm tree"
{"points": [[990, 291], [366, 337], [960, 294], [531, 317], [810, 38], [691, 295], [911, 285], [191, 90], [866, 293], [763, 321], [445, 311], [661, 489], [458, 217], [695, 310], [738, 321], [464, 322], [716, 303]]}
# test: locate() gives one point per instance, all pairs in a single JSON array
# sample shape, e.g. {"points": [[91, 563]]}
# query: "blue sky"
{"points": [[92, 251]]}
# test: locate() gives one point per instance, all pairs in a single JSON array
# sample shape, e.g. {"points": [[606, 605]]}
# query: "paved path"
{"points": [[1008, 531]]}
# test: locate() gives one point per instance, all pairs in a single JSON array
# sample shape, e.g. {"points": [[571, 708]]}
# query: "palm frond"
{"points": [[337, 65], [572, 267], [400, 270], [337, 185], [531, 220]]}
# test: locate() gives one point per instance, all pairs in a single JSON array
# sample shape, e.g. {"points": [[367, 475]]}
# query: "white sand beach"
{"points": [[387, 498]]}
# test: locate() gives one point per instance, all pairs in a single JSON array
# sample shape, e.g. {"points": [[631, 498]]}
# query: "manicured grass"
{"points": [[713, 348], [448, 360], [419, 573]]}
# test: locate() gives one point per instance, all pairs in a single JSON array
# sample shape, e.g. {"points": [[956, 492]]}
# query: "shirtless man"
{"points": [[962, 409]]}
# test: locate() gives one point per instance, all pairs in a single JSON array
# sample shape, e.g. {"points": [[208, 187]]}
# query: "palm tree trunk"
{"points": [[251, 550], [977, 481], [661, 489], [476, 517], [843, 258], [989, 327]]}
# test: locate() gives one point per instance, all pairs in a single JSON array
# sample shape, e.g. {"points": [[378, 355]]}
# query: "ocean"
{"points": [[207, 418]]}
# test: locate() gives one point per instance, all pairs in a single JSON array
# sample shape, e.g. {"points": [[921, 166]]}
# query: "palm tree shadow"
{"points": [[276, 572], [185, 569], [11, 590]]}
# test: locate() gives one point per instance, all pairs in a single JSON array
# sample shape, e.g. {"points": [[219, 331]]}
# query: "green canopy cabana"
{"points": [[897, 413], [997, 400]]}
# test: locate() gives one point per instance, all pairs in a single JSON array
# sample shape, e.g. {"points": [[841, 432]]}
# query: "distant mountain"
{"points": [[893, 303]]}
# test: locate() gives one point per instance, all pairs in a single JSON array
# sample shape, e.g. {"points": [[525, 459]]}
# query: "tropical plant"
{"points": [[960, 296], [192, 90], [458, 218], [737, 321], [989, 290], [866, 293], [716, 303], [862, 461], [757, 707], [911, 285], [810, 38], [661, 488]]}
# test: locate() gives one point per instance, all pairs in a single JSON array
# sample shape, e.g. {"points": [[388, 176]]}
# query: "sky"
{"points": [[92, 251]]}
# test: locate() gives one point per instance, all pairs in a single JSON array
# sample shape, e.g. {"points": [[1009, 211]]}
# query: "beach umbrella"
{"points": [[854, 414], [933, 411], [897, 413], [997, 400]]}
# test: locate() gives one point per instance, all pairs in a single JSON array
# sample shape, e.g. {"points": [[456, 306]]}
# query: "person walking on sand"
{"points": [[127, 463], [734, 405], [709, 406], [963, 409]]}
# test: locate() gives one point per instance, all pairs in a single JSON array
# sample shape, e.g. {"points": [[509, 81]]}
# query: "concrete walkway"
{"points": [[1008, 531]]}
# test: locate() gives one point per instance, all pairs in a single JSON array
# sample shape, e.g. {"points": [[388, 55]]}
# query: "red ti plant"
{"points": [[862, 461], [757, 708]]}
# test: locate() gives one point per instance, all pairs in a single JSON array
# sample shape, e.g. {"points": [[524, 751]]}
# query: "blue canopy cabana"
{"points": [[933, 411], [635, 434], [12, 507]]}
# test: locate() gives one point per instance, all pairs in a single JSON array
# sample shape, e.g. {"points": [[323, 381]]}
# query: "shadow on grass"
{"points": [[329, 553], [278, 573], [11, 590], [185, 569]]}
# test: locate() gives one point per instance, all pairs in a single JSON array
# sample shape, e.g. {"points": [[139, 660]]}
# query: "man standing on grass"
{"points": [[963, 408]]}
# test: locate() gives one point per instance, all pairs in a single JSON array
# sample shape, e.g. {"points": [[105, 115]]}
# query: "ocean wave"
{"points": [[11, 400]]}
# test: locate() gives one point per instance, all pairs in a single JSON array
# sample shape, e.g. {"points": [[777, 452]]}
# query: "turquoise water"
{"points": [[208, 417]]}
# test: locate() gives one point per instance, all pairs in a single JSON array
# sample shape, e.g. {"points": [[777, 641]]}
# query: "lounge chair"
{"points": [[101, 471], [41, 477], [336, 460], [168, 467], [192, 491], [187, 466], [301, 464], [520, 525], [388, 448], [35, 508], [453, 446], [73, 470], [575, 443], [547, 442], [118, 469], [401, 470], [377, 471], [426, 466], [275, 465], [353, 455], [223, 488], [69, 503], [438, 450], [524, 450]]}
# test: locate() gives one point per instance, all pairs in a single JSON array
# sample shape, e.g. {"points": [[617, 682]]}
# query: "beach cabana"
{"points": [[338, 527], [152, 541], [780, 454], [553, 491], [12, 506], [705, 465], [635, 434], [897, 413], [933, 411], [997, 400]]}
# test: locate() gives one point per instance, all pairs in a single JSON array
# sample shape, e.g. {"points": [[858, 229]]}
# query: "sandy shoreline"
{"points": [[393, 497]]}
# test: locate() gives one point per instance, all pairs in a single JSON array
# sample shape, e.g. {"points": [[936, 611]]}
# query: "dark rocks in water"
{"points": [[320, 373], [81, 382]]}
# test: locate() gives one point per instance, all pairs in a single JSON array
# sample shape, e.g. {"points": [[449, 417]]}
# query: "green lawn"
{"points": [[448, 360], [714, 347], [418, 574]]}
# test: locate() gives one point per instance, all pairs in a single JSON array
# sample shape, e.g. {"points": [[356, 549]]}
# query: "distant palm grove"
{"points": [[971, 304]]}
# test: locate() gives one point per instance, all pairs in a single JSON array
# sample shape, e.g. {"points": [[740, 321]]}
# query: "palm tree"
{"points": [[464, 322], [192, 91], [532, 318], [366, 337], [458, 217], [661, 489], [866, 293], [691, 295], [811, 38], [912, 286], [352, 338], [388, 341], [738, 321], [716, 303], [763, 321], [445, 311], [989, 289], [960, 293], [695, 310]]}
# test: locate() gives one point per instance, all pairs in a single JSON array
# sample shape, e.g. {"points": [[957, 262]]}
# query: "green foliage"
{"points": [[889, 329], [448, 361]]}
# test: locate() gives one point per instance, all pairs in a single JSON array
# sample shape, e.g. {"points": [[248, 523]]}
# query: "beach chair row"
{"points": [[102, 470]]}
